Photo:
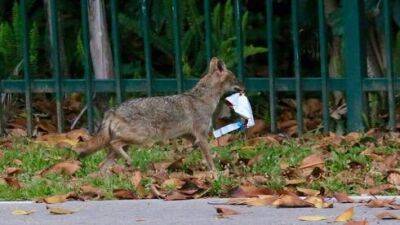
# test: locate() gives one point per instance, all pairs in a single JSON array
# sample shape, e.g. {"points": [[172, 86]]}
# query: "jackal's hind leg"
{"points": [[118, 147]]}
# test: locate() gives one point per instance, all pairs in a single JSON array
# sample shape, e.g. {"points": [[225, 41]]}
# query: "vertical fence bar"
{"points": [[355, 62], [55, 57], [27, 76], [271, 64], [86, 63], [2, 124], [147, 48], [389, 63], [207, 24], [2, 128], [324, 65], [239, 38], [176, 23], [297, 64], [116, 53]]}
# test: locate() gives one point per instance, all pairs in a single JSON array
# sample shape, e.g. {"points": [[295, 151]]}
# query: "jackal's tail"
{"points": [[101, 139]]}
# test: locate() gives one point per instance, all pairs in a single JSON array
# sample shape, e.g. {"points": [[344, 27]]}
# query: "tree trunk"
{"points": [[100, 48]]}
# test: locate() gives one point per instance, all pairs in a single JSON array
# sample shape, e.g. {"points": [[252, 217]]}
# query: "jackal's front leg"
{"points": [[108, 162], [205, 148]]}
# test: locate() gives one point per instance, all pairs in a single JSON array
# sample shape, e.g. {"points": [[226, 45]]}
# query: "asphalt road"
{"points": [[189, 212]]}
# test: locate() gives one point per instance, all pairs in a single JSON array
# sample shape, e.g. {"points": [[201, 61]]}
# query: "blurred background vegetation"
{"points": [[193, 42]]}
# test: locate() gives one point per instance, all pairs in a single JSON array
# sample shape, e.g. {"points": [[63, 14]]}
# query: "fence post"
{"points": [[55, 57], [87, 65], [116, 53], [297, 66], [355, 64], [207, 25], [27, 76], [176, 24], [271, 64], [147, 48], [239, 39], [387, 15], [324, 65]]}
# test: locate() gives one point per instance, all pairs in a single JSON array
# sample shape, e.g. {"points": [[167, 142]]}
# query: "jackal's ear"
{"points": [[216, 65]]}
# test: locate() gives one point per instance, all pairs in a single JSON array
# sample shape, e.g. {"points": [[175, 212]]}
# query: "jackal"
{"points": [[144, 121]]}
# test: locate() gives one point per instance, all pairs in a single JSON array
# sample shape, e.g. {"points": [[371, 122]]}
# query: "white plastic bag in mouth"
{"points": [[241, 106]]}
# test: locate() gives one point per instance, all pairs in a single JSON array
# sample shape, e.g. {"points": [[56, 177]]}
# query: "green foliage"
{"points": [[79, 52], [34, 41], [8, 44], [223, 36], [11, 44], [17, 27], [192, 35]]}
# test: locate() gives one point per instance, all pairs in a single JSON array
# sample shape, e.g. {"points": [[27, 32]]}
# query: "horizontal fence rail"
{"points": [[354, 82]]}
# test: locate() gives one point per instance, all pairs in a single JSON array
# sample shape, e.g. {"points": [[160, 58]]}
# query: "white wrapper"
{"points": [[241, 106]]}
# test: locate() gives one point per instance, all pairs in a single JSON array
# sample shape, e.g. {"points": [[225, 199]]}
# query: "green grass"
{"points": [[34, 158]]}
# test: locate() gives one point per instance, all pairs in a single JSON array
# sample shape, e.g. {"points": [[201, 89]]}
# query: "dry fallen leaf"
{"points": [[13, 182], [258, 128], [268, 140], [136, 179], [352, 138], [17, 162], [394, 206], [318, 202], [394, 178], [379, 203], [290, 201], [58, 210], [342, 198], [118, 169], [295, 181], [223, 211], [314, 160], [309, 192], [22, 212], [70, 139], [353, 222], [123, 194], [377, 190], [311, 218], [56, 199], [248, 191], [223, 141], [67, 167], [91, 192], [173, 182], [46, 126], [154, 190], [78, 134], [13, 171], [59, 198], [346, 215], [176, 195], [310, 163], [262, 200], [388, 216]]}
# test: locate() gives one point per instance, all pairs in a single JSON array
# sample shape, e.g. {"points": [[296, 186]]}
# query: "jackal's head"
{"points": [[221, 78]]}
